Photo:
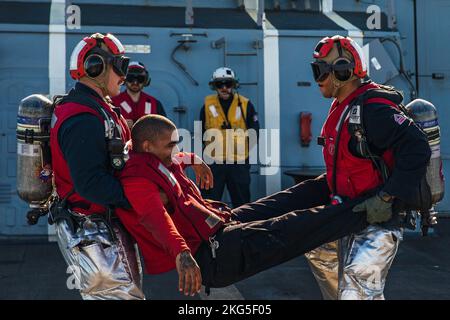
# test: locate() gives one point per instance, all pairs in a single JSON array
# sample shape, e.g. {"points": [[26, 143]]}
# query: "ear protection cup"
{"points": [[237, 85], [343, 75], [94, 65], [147, 83]]}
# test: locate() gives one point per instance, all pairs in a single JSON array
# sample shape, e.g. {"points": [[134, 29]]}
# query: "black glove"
{"points": [[378, 210]]}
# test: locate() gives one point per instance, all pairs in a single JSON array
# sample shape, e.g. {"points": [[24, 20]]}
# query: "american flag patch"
{"points": [[399, 118]]}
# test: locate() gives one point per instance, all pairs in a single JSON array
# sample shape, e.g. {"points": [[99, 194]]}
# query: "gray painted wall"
{"points": [[24, 70]]}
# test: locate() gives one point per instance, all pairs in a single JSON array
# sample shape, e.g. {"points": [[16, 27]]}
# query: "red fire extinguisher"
{"points": [[305, 128]]}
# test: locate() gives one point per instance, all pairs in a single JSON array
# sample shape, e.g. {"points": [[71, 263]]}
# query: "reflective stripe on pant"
{"points": [[101, 269], [365, 259]]}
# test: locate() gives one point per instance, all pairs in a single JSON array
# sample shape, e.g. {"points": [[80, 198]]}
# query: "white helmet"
{"points": [[223, 74]]}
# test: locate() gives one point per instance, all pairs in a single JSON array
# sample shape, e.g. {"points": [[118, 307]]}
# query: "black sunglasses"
{"points": [[135, 77], [220, 84]]}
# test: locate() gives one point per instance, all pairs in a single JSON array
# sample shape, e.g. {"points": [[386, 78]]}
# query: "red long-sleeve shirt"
{"points": [[150, 224]]}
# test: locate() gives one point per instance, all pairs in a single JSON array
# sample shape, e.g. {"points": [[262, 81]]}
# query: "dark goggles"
{"points": [[321, 69], [227, 84], [119, 64], [139, 78]]}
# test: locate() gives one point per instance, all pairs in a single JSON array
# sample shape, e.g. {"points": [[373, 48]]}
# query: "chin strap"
{"points": [[337, 86]]}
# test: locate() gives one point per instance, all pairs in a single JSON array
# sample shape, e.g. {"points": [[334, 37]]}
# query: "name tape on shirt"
{"points": [[168, 174], [213, 110], [212, 220], [125, 106], [148, 107], [238, 113]]}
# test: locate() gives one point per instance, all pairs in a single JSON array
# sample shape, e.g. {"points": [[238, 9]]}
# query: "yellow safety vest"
{"points": [[225, 145]]}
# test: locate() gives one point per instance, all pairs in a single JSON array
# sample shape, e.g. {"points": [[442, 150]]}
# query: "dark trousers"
{"points": [[276, 229], [237, 179]]}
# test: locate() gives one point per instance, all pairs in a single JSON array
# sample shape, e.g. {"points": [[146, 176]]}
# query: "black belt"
{"points": [[60, 212]]}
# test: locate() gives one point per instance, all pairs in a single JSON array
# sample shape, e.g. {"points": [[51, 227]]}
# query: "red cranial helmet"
{"points": [[90, 59], [342, 67]]}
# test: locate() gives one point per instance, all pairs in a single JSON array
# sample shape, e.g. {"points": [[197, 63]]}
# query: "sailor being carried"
{"points": [[175, 227]]}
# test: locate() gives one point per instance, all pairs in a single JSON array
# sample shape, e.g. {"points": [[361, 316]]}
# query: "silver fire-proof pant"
{"points": [[355, 267], [100, 268]]}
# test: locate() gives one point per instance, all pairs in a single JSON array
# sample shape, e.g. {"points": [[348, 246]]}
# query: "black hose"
{"points": [[180, 65], [402, 67]]}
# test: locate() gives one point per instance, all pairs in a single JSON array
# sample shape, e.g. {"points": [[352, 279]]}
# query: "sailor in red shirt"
{"points": [[134, 102], [204, 240]]}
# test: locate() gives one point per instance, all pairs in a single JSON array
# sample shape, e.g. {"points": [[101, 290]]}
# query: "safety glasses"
{"points": [[227, 84], [135, 78]]}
